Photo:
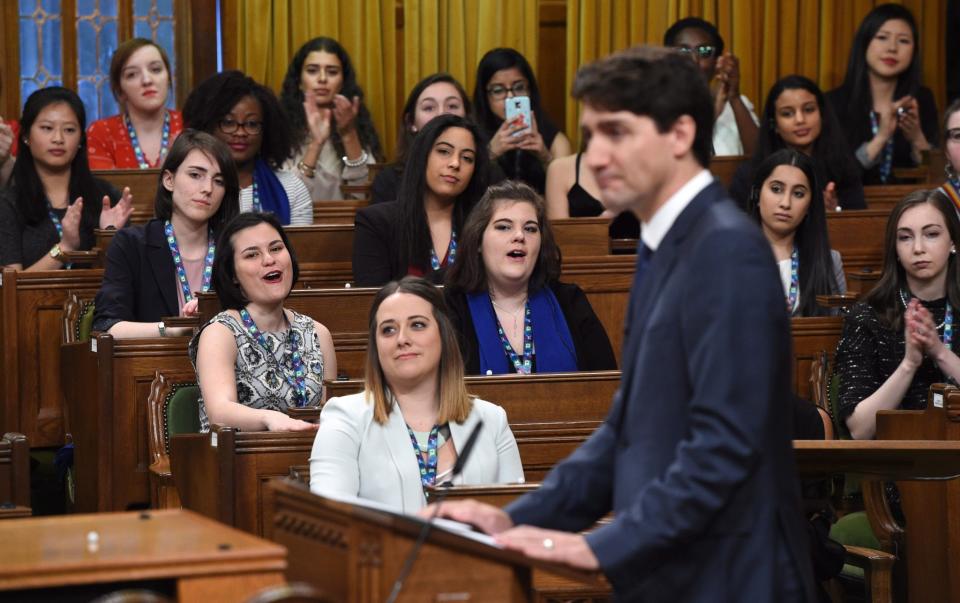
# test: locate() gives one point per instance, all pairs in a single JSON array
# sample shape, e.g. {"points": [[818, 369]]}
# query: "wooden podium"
{"points": [[931, 509], [355, 553]]}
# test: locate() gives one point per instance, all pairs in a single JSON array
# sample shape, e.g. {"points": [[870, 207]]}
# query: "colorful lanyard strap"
{"points": [[58, 225], [886, 162], [523, 366], [178, 262], [299, 379], [794, 280], [951, 188], [451, 253], [255, 205], [135, 142], [946, 325], [428, 467]]}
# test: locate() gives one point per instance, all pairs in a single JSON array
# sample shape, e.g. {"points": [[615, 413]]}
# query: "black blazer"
{"points": [[139, 281], [594, 352], [376, 249]]}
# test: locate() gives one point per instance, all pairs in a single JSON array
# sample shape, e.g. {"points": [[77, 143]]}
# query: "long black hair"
{"points": [[496, 60], [413, 230], [291, 97], [30, 195], [855, 89], [216, 96], [885, 295], [832, 157], [811, 239]]}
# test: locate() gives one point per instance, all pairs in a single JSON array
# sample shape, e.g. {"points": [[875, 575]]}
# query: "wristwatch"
{"points": [[56, 253], [162, 328]]}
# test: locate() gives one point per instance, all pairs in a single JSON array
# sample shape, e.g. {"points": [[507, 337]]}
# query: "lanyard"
{"points": [[451, 253], [178, 262], [523, 366], [135, 142], [428, 468], [255, 204], [887, 162], [298, 381], [794, 280]]}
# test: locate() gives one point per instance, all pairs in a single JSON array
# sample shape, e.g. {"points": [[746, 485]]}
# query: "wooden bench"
{"points": [[143, 186], [811, 336], [858, 236], [31, 322], [14, 476], [723, 168]]}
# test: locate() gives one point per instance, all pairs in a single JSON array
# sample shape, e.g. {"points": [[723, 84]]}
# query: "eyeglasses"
{"points": [[702, 52], [229, 126], [499, 92], [953, 134]]}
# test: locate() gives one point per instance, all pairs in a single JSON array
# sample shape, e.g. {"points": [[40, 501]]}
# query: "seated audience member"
{"points": [[510, 311], [899, 340], [888, 118], [796, 116], [333, 133], [445, 175], [434, 95], [247, 117], [140, 136], [154, 270], [522, 151], [256, 359], [54, 203], [787, 202], [951, 152], [406, 429], [735, 125], [572, 192]]}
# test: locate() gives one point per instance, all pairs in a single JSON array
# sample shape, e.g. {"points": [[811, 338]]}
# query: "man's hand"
{"points": [[550, 545]]}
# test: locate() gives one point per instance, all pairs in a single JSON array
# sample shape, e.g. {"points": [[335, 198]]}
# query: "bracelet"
{"points": [[361, 160], [306, 170]]}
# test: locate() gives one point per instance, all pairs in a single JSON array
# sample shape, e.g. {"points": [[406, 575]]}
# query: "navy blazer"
{"points": [[139, 281], [695, 458]]}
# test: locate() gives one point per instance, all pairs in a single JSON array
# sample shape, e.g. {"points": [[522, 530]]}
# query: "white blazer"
{"points": [[354, 455]]}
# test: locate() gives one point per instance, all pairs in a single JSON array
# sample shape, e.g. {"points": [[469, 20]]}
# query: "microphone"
{"points": [[425, 530]]}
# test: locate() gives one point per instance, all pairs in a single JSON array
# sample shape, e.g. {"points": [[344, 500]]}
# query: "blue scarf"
{"points": [[551, 336], [273, 199]]}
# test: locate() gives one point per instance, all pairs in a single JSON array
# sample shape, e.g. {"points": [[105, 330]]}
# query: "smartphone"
{"points": [[519, 105]]}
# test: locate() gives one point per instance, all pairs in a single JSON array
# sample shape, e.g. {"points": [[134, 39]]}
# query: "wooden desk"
{"points": [[14, 476], [202, 560], [143, 186], [858, 236]]}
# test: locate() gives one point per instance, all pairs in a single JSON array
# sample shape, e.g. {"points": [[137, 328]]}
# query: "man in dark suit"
{"points": [[695, 457]]}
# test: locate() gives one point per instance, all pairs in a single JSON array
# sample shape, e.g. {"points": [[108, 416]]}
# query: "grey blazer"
{"points": [[354, 455]]}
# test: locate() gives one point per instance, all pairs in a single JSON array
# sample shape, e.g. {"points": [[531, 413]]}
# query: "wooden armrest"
{"points": [[623, 245], [161, 467], [837, 301], [181, 321], [877, 569], [91, 257], [311, 414]]}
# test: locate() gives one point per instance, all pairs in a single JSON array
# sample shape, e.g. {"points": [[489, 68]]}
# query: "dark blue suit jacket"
{"points": [[695, 457], [139, 281]]}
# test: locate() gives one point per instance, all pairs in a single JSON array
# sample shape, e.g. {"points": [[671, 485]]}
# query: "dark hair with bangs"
{"points": [[216, 96], [468, 273], [811, 239], [670, 36], [224, 277], [214, 148], [413, 229], [26, 183], [885, 295], [658, 83], [291, 98]]}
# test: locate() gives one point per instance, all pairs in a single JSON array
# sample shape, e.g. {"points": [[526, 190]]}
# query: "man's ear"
{"points": [[684, 131]]}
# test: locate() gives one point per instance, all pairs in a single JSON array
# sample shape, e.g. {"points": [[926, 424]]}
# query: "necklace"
{"points": [[135, 142], [887, 160], [451, 252], [794, 280], [509, 313], [178, 261], [946, 325], [298, 380]]}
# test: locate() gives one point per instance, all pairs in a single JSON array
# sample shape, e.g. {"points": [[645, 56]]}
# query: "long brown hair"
{"points": [[885, 296], [455, 402]]}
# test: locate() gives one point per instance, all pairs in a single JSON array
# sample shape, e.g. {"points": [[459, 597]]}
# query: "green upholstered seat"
{"points": [[85, 324], [182, 411], [854, 529]]}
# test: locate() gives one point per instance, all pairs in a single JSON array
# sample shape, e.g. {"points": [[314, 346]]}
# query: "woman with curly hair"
{"points": [[333, 134]]}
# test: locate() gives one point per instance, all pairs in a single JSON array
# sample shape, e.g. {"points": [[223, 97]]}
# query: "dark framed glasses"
{"points": [[230, 126], [499, 92], [700, 52]]}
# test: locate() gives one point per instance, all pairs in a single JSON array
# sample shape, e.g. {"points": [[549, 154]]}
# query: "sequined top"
{"points": [[869, 352]]}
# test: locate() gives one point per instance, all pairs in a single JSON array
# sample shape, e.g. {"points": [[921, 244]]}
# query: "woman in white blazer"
{"points": [[406, 429]]}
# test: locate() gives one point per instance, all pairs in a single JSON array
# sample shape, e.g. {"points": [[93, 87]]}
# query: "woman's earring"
{"points": [[953, 251], [949, 171]]}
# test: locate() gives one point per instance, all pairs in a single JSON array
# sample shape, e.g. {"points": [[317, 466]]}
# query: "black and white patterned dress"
{"points": [[260, 376]]}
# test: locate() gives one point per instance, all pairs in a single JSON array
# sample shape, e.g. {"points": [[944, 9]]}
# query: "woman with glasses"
{"points": [[140, 136], [735, 128], [521, 150], [951, 151], [247, 117], [333, 133]]}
